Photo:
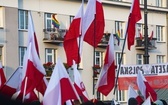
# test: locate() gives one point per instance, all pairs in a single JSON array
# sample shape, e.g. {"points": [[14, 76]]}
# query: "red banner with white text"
{"points": [[155, 74]]}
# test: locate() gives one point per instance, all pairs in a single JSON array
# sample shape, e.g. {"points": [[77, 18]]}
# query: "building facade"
{"points": [[14, 35]]}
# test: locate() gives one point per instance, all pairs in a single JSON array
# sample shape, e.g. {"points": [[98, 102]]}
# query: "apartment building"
{"points": [[14, 35]]}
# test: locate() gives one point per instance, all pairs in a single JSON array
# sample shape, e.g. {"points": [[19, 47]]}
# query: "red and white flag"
{"points": [[133, 94], [147, 102], [33, 71], [93, 22], [140, 34], [13, 83], [134, 17], [79, 85], [31, 33], [144, 87], [32, 38], [151, 36], [106, 79], [42, 86], [71, 40], [60, 88], [2, 76]]}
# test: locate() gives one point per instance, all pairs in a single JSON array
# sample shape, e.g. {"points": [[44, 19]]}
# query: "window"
{"points": [[22, 51], [71, 18], [120, 94], [139, 30], [48, 20], [139, 59], [159, 3], [98, 58], [118, 57], [141, 1], [23, 19], [1, 16], [50, 55], [160, 59], [159, 33], [119, 26]]}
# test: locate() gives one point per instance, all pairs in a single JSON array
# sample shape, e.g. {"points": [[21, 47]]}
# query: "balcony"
{"points": [[104, 41], [54, 36], [140, 44]]}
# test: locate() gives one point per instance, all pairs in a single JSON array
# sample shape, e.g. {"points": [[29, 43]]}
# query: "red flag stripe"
{"points": [[134, 17], [94, 30]]}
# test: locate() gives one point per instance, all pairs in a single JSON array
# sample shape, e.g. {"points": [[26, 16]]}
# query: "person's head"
{"points": [[132, 101], [88, 103], [163, 101], [100, 103], [158, 102], [35, 103]]}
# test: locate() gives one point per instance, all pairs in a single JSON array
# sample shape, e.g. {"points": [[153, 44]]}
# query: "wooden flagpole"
{"points": [[24, 92]]}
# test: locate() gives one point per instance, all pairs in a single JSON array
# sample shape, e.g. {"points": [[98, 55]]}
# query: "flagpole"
{"points": [[94, 51], [81, 36], [24, 92], [115, 87]]}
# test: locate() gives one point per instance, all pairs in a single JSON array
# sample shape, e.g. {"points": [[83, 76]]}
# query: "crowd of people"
{"points": [[132, 101]]}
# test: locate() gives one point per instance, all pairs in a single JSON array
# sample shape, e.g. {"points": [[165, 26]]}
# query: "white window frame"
{"points": [[159, 33], [71, 18], [160, 58], [22, 51], [98, 58], [50, 54], [139, 28], [48, 18], [120, 26], [1, 16], [23, 14], [159, 3], [120, 94], [118, 56], [141, 1], [139, 58]]}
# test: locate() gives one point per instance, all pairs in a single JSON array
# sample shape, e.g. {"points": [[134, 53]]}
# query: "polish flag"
{"points": [[13, 83], [2, 76], [42, 86], [32, 38], [147, 101], [71, 39], [31, 33], [134, 17], [79, 85], [144, 87], [140, 35], [60, 88], [33, 70], [93, 23], [133, 94], [106, 79], [151, 36]]}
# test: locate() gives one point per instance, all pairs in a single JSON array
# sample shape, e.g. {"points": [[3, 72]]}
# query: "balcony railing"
{"points": [[104, 41], [140, 45], [52, 35]]}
